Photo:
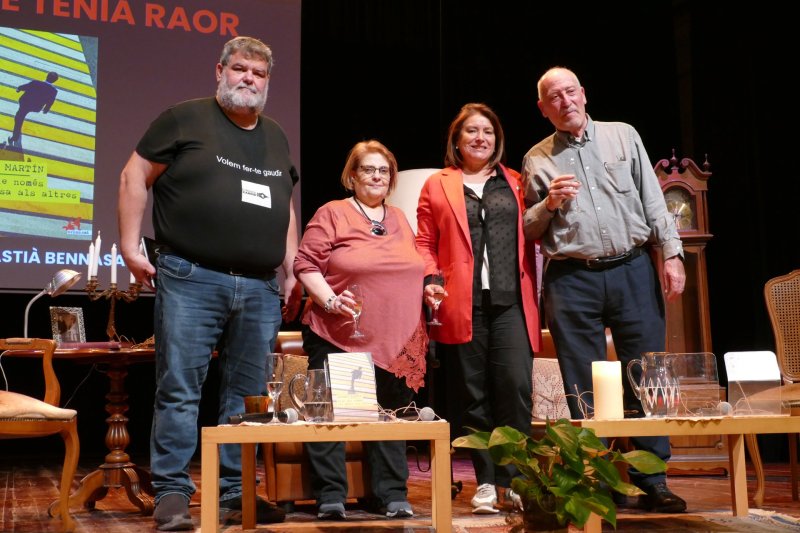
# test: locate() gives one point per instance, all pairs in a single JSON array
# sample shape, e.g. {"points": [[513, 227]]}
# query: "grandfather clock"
{"points": [[685, 186]]}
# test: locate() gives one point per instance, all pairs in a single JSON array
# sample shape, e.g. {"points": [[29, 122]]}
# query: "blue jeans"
{"points": [[196, 311]]}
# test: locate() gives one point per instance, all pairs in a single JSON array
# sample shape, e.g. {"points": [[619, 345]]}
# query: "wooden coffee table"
{"points": [[736, 428], [248, 435]]}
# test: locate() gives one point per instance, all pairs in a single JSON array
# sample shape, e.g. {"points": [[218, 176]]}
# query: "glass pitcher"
{"points": [[314, 402], [657, 387]]}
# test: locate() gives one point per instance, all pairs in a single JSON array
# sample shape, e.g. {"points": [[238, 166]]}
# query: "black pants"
{"points": [[579, 305], [495, 372], [386, 460]]}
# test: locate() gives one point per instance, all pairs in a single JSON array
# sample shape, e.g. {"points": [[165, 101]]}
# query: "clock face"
{"points": [[681, 205]]}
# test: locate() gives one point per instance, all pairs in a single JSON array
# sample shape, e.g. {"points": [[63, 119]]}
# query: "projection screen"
{"points": [[80, 81]]}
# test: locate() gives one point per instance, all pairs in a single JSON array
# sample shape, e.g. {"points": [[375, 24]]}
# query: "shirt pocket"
{"points": [[619, 174]]}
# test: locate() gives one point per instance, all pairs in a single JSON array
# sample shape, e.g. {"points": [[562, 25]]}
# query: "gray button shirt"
{"points": [[619, 205]]}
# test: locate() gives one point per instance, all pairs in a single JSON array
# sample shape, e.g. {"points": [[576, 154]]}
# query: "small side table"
{"points": [[118, 470], [248, 435]]}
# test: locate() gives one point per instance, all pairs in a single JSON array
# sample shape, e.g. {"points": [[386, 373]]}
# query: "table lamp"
{"points": [[62, 281]]}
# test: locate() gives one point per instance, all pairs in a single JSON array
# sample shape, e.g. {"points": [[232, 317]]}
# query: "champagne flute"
{"points": [[358, 297], [437, 279], [274, 382]]}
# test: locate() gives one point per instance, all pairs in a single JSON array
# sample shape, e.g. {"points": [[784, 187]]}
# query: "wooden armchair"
{"points": [[286, 464], [22, 416], [782, 295], [549, 400]]}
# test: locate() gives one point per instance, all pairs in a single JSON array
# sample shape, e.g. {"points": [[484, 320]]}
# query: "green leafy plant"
{"points": [[569, 472]]}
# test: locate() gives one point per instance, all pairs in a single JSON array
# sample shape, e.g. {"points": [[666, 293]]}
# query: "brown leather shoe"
{"points": [[659, 499]]}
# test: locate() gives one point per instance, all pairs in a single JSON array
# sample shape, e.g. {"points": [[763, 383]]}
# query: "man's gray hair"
{"points": [[249, 47]]}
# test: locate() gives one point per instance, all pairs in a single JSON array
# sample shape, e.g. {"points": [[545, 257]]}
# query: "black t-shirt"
{"points": [[223, 200]]}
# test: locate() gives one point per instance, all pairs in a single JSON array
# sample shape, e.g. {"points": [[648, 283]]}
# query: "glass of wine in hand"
{"points": [[437, 279], [274, 382], [357, 294]]}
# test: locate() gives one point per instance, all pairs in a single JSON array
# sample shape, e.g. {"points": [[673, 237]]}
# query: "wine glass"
{"points": [[437, 279], [358, 297], [274, 382]]}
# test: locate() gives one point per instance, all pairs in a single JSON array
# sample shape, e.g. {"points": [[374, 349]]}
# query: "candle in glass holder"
{"points": [[607, 385]]}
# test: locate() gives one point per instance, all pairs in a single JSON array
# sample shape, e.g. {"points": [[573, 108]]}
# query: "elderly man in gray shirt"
{"points": [[596, 205]]}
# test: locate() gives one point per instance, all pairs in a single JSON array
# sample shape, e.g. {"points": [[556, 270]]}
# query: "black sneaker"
{"points": [[399, 510], [172, 513], [622, 501], [331, 511], [230, 512], [659, 499]]}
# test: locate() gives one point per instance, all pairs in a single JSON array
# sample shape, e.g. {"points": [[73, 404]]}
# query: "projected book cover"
{"points": [[48, 102]]}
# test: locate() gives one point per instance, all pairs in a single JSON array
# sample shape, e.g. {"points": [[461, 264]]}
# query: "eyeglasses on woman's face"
{"points": [[369, 170]]}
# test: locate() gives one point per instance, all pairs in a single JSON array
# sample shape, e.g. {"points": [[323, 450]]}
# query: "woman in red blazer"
{"points": [[469, 222]]}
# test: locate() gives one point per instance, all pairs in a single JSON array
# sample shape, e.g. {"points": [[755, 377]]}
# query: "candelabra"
{"points": [[112, 294]]}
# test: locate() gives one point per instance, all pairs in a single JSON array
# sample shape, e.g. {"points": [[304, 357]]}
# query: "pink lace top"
{"points": [[337, 243]]}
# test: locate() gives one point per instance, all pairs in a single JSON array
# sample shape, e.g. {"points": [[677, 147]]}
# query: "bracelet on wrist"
{"points": [[329, 303]]}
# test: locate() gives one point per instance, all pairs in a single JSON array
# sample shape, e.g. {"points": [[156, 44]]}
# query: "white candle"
{"points": [[114, 263], [96, 254], [90, 261], [607, 385]]}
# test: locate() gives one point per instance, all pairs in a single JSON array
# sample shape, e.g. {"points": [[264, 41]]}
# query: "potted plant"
{"points": [[564, 476]]}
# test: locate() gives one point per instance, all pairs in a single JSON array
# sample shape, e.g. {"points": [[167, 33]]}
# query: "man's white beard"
{"points": [[234, 99]]}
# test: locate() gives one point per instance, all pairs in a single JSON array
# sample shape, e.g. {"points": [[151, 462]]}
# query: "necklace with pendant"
{"points": [[377, 227]]}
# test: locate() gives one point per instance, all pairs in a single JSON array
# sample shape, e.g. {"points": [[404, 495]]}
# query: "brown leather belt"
{"points": [[604, 263]]}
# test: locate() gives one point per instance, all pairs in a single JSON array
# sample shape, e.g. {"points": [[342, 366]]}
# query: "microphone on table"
{"points": [[288, 416], [426, 414]]}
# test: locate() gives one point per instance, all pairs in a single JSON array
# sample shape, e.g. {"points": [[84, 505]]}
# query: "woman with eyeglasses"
{"points": [[469, 226], [362, 240]]}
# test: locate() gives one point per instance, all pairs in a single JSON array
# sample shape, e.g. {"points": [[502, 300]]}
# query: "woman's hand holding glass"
{"points": [[349, 303], [434, 294], [356, 295]]}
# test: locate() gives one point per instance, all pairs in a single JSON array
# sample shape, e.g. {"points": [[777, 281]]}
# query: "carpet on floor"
{"points": [[757, 521]]}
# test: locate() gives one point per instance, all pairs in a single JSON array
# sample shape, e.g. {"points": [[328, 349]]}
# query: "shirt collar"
{"points": [[566, 137]]}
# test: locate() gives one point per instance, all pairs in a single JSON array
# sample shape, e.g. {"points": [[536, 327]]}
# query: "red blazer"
{"points": [[444, 242]]}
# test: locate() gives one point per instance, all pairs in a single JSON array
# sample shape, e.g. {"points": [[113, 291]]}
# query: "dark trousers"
{"points": [[386, 460], [495, 372], [579, 305]]}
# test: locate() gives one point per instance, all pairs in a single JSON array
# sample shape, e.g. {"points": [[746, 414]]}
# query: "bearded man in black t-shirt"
{"points": [[224, 221]]}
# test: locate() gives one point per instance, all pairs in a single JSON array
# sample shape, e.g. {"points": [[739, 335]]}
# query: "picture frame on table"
{"points": [[67, 324]]}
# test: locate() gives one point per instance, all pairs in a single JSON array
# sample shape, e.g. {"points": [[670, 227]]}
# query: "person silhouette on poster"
{"points": [[38, 96]]}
